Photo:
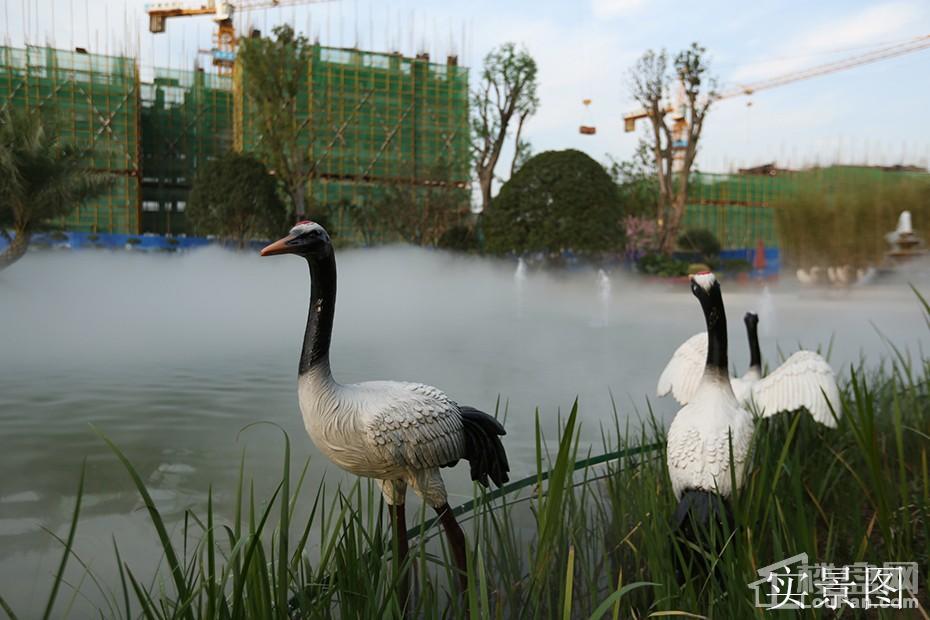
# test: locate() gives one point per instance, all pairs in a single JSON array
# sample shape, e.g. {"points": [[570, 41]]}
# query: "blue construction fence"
{"points": [[115, 241], [742, 262], [772, 261], [166, 243]]}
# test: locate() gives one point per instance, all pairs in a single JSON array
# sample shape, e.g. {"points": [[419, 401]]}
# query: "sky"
{"points": [[585, 49]]}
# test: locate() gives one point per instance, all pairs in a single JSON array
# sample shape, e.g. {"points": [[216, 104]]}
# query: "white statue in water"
{"points": [[903, 230]]}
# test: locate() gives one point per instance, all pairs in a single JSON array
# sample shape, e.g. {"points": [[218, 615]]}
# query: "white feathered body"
{"points": [[699, 439], [742, 386], [387, 430]]}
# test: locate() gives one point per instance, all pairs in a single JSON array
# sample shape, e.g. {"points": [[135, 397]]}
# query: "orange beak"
{"points": [[278, 247]]}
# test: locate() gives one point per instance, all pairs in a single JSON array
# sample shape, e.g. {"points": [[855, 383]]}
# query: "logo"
{"points": [[795, 583]]}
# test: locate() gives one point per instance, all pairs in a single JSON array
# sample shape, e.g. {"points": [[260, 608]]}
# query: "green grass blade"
{"points": [[177, 573], [283, 531], [254, 542], [212, 592], [569, 584], [615, 597], [122, 578], [59, 575], [145, 600], [7, 609]]}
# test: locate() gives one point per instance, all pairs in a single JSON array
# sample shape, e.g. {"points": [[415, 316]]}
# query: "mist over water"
{"points": [[171, 356]]}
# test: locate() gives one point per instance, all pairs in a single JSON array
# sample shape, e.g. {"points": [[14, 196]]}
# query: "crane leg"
{"points": [[456, 538], [399, 523]]}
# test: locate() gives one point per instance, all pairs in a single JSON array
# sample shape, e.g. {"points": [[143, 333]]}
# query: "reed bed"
{"points": [[837, 217], [585, 539]]}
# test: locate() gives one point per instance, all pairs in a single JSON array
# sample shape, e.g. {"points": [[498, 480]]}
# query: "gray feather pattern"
{"points": [[418, 427]]}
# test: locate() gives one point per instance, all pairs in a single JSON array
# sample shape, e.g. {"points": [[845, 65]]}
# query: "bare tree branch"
{"points": [[508, 87], [648, 82]]}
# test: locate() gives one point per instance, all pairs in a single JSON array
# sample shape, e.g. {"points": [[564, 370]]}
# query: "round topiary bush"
{"points": [[558, 200]]}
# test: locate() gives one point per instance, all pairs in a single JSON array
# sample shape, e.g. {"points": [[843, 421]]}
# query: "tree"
{"points": [[557, 200], [41, 178], [364, 216], [522, 153], [507, 90], [235, 198], [649, 82], [274, 73], [636, 179], [421, 214], [700, 241]]}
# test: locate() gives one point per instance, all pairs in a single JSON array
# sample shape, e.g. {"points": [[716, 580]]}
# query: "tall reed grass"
{"points": [[841, 218], [583, 539]]}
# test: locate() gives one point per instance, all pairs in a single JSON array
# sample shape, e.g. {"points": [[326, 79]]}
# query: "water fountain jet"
{"points": [[519, 282]]}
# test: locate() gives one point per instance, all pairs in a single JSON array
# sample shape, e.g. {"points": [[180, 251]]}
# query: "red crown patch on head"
{"points": [[303, 222]]}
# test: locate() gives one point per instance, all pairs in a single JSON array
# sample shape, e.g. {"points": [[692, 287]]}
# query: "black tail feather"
{"points": [[483, 447], [702, 519], [699, 508]]}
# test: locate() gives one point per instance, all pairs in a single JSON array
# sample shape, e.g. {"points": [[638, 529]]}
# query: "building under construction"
{"points": [[186, 119], [93, 101], [366, 119]]}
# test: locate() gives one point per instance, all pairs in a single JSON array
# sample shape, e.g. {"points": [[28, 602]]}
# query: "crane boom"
{"points": [[875, 55], [247, 5], [883, 53]]}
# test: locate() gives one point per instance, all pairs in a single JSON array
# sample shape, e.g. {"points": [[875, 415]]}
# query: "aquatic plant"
{"points": [[582, 538]]}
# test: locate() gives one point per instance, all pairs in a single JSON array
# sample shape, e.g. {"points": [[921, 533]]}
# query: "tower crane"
{"points": [[225, 41], [678, 108]]}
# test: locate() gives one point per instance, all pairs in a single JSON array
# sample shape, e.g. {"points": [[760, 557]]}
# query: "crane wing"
{"points": [[416, 426], [806, 381], [683, 372]]}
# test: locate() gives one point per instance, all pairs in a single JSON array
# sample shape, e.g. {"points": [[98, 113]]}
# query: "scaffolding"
{"points": [[736, 208], [186, 121], [93, 102], [741, 209], [369, 120]]}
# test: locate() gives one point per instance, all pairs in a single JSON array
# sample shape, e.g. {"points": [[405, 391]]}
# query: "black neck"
{"points": [[755, 356], [320, 316], [716, 320]]}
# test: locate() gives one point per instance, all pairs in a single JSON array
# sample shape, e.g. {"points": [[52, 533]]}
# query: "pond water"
{"points": [[171, 356]]}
